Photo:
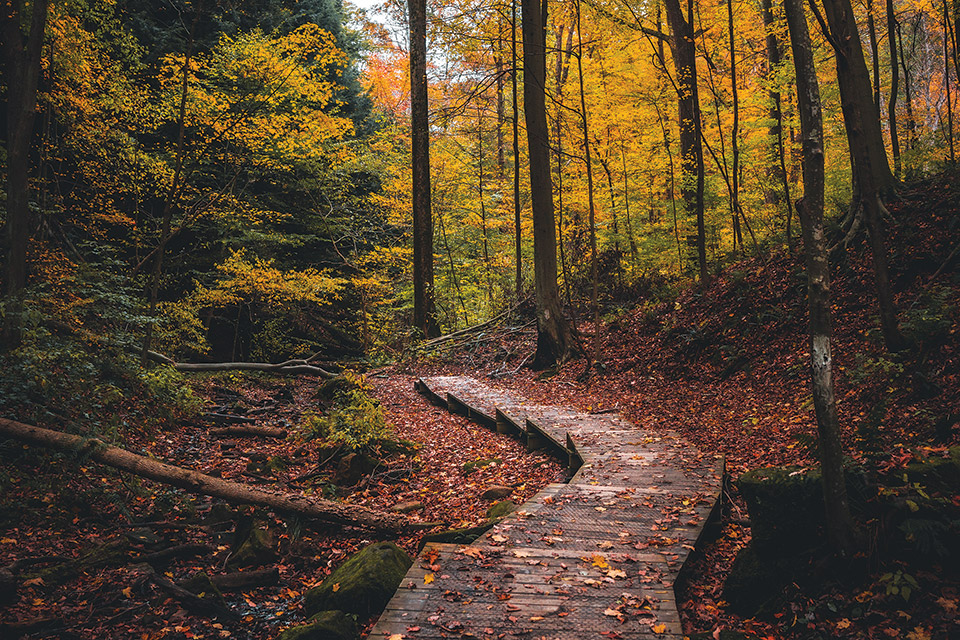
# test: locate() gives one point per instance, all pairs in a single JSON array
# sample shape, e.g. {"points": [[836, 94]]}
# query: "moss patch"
{"points": [[326, 625], [363, 584]]}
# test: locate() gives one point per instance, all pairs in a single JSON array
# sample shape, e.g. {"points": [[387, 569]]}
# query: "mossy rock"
{"points": [[470, 467], [352, 467], [500, 509], [754, 581], [201, 585], [326, 625], [457, 536], [363, 584], [787, 514], [786, 507], [941, 475], [259, 548]]}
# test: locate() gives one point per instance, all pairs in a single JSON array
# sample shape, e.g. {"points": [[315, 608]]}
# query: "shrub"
{"points": [[355, 420]]}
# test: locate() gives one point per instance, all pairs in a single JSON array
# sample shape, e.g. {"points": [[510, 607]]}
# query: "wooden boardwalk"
{"points": [[595, 558]]}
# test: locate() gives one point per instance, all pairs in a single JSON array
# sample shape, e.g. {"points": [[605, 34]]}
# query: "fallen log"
{"points": [[196, 482], [245, 580], [200, 605], [290, 367], [248, 430], [227, 418], [178, 551]]}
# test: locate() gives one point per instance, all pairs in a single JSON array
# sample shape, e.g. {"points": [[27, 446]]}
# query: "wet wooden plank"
{"points": [[581, 560]]}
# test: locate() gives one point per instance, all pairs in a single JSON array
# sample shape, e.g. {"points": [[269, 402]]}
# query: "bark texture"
{"points": [[553, 332], [810, 209], [684, 52], [424, 310], [196, 482], [21, 58]]}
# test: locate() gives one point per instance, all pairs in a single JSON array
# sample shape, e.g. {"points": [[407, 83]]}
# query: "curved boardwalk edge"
{"points": [[595, 558]]}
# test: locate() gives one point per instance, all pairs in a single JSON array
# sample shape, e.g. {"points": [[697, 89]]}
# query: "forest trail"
{"points": [[597, 557]]}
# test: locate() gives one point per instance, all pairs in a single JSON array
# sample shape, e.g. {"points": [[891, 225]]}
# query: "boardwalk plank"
{"points": [[594, 558]]}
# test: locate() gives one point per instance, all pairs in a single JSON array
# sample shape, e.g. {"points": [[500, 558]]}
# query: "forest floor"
{"points": [[724, 365]]}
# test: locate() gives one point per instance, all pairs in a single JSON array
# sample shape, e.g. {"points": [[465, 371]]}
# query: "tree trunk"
{"points": [[289, 367], [483, 207], [946, 79], [501, 110], [810, 210], [424, 309], [871, 169], [22, 61], [554, 338], [907, 91], [591, 209], [196, 482], [894, 87], [860, 115], [173, 193], [874, 55], [518, 257], [691, 150], [735, 134]]}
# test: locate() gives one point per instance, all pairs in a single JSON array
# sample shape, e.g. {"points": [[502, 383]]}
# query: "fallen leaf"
{"points": [[918, 633], [7, 541], [427, 579], [38, 582], [128, 592], [843, 624], [659, 628], [336, 587], [947, 605], [396, 636]]}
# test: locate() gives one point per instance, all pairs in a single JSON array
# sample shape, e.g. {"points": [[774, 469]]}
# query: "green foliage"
{"points": [[881, 369], [899, 583], [354, 421], [79, 360]]}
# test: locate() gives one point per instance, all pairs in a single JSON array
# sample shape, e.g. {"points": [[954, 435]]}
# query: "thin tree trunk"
{"points": [[946, 79], [501, 109], [810, 209], [874, 54], [22, 61], [626, 199], [196, 482], [735, 134], [591, 210], [894, 87], [775, 114], [691, 156], [483, 208], [424, 307], [173, 193], [673, 187], [560, 79], [554, 338], [907, 91], [518, 257]]}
